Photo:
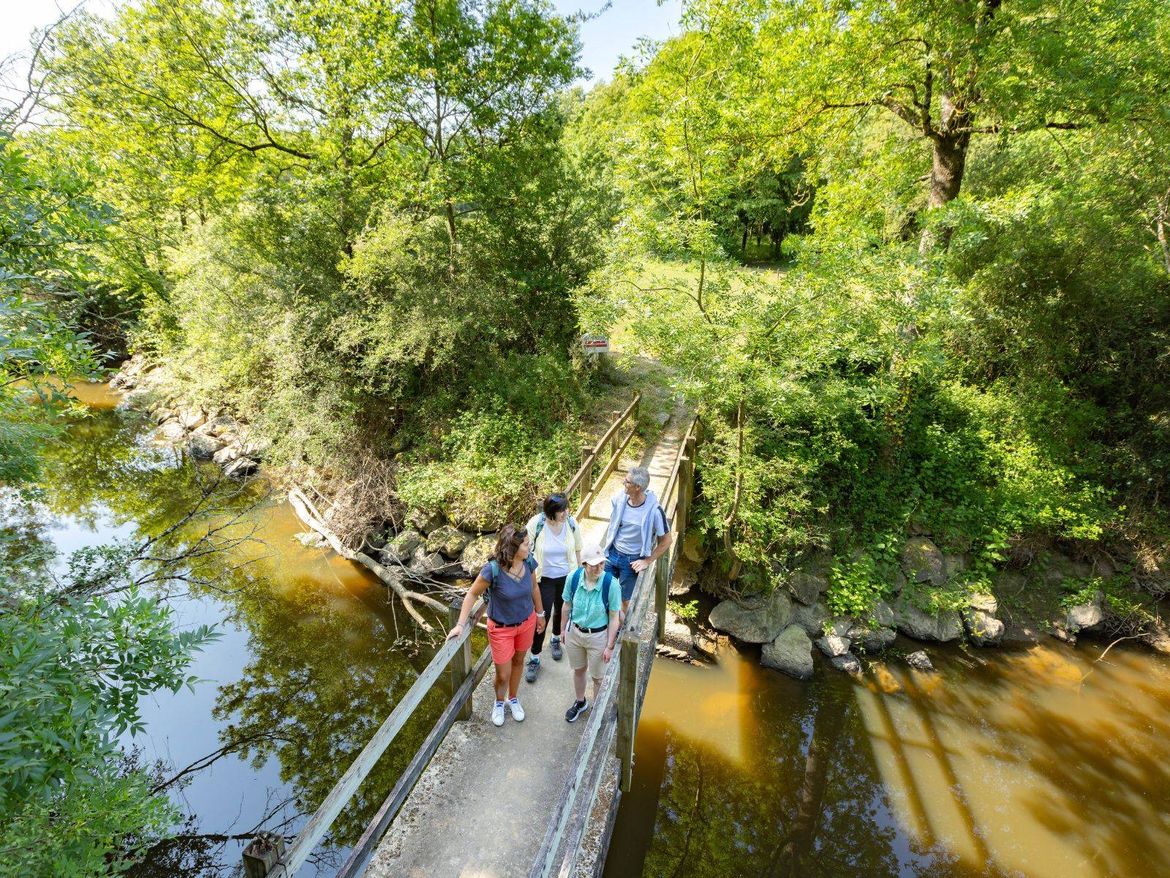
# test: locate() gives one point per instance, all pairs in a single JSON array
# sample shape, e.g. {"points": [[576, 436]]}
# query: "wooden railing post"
{"points": [[461, 663], [615, 441], [262, 854], [627, 709], [661, 591], [589, 461]]}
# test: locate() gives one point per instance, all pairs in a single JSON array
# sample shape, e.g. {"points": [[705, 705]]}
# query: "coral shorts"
{"points": [[506, 641]]}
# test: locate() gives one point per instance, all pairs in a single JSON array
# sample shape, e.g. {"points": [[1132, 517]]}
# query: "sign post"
{"points": [[595, 344]]}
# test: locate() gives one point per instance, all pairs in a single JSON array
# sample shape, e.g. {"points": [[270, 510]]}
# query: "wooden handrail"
{"points": [[311, 834], [591, 458], [627, 675]]}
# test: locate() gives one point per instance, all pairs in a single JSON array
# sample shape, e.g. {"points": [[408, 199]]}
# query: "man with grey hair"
{"points": [[638, 532]]}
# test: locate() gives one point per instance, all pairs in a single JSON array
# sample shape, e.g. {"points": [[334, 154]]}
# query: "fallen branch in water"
{"points": [[313, 519]]}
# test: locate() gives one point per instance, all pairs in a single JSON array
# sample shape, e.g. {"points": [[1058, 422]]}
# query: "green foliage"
{"points": [[688, 611], [512, 441], [72, 672]]}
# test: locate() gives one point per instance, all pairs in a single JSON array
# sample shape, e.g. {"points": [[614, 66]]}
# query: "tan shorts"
{"points": [[585, 650]]}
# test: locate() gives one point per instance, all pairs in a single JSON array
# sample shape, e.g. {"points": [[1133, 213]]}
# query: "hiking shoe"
{"points": [[498, 714], [578, 708], [532, 670], [517, 710], [556, 649]]}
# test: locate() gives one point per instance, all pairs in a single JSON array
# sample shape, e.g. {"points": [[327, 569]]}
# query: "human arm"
{"points": [[477, 588], [566, 615], [611, 634], [536, 601], [661, 546]]}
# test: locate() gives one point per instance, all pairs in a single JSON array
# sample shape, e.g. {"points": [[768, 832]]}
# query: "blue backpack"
{"points": [[577, 575], [494, 570]]}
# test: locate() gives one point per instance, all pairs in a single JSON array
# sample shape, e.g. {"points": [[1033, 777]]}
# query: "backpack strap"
{"points": [[539, 528], [606, 582], [574, 581]]}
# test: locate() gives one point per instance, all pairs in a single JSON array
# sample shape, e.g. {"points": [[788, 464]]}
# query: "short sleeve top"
{"points": [[510, 598]]}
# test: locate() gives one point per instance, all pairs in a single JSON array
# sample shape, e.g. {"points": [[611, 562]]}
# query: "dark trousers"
{"points": [[552, 599]]}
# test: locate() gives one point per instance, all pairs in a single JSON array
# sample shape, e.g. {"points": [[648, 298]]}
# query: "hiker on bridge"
{"points": [[556, 544], [592, 599], [515, 613], [638, 532]]}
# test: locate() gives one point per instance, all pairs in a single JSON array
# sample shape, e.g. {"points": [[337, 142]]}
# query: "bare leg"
{"points": [[596, 687], [579, 683], [517, 670], [503, 676]]}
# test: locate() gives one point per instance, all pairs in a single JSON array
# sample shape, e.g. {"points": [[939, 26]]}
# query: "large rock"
{"points": [[424, 563], [203, 447], [241, 468], [982, 627], [883, 615], [447, 541], [677, 634], [984, 602], [192, 417], [811, 619], [807, 587], [911, 621], [1086, 617], [226, 454], [220, 426], [922, 561], [170, 432], [871, 640], [790, 652], [477, 553], [693, 549], [424, 521], [400, 550], [919, 661], [756, 621], [846, 662], [833, 645]]}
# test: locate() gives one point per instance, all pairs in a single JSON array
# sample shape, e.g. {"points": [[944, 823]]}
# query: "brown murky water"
{"points": [[1046, 763], [312, 654]]}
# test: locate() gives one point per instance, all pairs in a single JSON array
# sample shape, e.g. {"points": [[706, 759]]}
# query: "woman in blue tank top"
{"points": [[515, 614]]}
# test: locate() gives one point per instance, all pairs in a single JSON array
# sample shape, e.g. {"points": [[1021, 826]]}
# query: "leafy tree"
{"points": [[948, 72]]}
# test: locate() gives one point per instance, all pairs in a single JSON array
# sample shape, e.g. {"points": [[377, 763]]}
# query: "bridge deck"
{"points": [[481, 808]]}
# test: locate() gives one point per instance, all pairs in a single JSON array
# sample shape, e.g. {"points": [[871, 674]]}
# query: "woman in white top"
{"points": [[556, 544]]}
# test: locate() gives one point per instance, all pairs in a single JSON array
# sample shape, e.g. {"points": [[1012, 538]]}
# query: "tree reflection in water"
{"points": [[1043, 763], [322, 656]]}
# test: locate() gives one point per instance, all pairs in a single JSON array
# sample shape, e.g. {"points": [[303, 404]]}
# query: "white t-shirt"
{"points": [[556, 551], [629, 535]]}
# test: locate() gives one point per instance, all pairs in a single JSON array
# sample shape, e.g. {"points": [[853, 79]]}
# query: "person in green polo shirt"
{"points": [[593, 601]]}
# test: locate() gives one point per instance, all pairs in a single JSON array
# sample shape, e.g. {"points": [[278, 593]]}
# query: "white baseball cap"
{"points": [[592, 554]]}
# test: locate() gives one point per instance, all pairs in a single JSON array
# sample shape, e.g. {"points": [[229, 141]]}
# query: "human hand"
{"points": [[607, 654], [640, 565], [539, 624], [455, 632]]}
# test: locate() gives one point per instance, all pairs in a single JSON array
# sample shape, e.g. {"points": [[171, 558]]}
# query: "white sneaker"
{"points": [[498, 714], [517, 710]]}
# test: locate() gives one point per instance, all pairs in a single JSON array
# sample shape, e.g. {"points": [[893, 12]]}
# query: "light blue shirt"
{"points": [[588, 609]]}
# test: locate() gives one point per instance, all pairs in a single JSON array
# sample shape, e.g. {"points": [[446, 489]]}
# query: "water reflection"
{"points": [[1044, 763], [312, 659]]}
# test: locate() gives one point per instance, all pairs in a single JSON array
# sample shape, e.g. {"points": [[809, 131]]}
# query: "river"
{"points": [[311, 658], [1042, 762], [1049, 762]]}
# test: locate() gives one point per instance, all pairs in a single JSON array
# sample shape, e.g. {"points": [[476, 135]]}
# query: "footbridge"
{"points": [[536, 798]]}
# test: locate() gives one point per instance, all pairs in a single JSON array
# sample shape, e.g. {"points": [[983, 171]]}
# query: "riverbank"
{"points": [[930, 601]]}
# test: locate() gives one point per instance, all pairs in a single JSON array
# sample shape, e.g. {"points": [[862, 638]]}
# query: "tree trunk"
{"points": [[949, 161], [1161, 221]]}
